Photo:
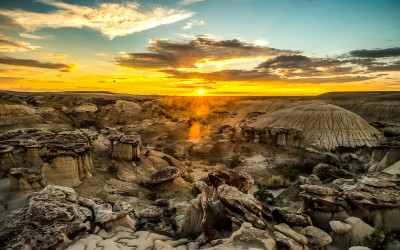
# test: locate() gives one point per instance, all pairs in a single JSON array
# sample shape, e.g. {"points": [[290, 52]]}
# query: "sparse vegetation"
{"points": [[357, 177], [275, 182], [188, 177], [113, 168], [205, 169], [378, 239], [264, 195], [189, 170], [290, 173], [152, 196]]}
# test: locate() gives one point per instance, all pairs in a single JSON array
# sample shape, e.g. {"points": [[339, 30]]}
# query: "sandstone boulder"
{"points": [[125, 147], [316, 237], [236, 201], [326, 171]]}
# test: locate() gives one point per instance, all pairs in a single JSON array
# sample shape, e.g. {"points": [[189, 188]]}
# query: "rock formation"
{"points": [[25, 179], [7, 160], [125, 147], [323, 126], [232, 177], [64, 158]]}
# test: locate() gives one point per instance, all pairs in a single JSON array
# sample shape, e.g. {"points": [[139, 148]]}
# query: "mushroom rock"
{"points": [[125, 147], [240, 180], [321, 125], [25, 179]]}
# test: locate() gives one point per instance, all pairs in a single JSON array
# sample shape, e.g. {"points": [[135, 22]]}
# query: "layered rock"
{"points": [[125, 147], [25, 179], [323, 126], [64, 158], [376, 199]]}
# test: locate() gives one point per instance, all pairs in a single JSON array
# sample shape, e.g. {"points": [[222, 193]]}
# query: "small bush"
{"points": [[152, 196], [113, 168], [290, 173], [275, 182], [189, 170], [357, 177], [264, 195], [378, 239], [188, 177], [205, 169]]}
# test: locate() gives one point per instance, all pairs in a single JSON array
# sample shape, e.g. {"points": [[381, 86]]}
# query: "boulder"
{"points": [[284, 242], [316, 237], [240, 180], [152, 214], [237, 201], [201, 187], [339, 227], [167, 174], [286, 230], [326, 171], [292, 219], [359, 229], [248, 237], [313, 180]]}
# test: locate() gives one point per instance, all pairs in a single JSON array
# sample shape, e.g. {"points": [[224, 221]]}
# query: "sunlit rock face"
{"points": [[64, 158], [125, 147], [17, 116], [320, 125]]}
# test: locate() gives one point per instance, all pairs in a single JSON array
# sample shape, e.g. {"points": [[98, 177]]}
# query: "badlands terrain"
{"points": [[97, 170]]}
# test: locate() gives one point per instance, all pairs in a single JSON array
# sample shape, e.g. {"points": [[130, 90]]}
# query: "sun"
{"points": [[200, 91]]}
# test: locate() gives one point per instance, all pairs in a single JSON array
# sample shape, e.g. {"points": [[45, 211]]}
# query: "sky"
{"points": [[212, 47]]}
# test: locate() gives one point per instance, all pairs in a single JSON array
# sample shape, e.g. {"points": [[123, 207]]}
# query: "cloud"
{"points": [[176, 54], [187, 2], [208, 59], [30, 36], [190, 24], [377, 53], [7, 45], [111, 19], [34, 63]]}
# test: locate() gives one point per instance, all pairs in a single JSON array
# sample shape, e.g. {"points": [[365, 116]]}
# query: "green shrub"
{"points": [[378, 239], [113, 168], [264, 195], [152, 196], [189, 170], [188, 177], [290, 173], [357, 177]]}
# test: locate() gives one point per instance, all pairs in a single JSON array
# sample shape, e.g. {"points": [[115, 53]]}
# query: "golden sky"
{"points": [[188, 47]]}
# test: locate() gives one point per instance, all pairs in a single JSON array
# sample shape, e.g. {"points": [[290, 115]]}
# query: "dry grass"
{"points": [[275, 182]]}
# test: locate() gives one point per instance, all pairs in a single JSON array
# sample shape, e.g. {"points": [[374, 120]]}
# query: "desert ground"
{"points": [[99, 170]]}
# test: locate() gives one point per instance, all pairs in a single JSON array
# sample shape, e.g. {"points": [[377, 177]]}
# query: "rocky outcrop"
{"points": [[376, 200], [125, 147], [26, 180], [316, 237], [231, 177], [52, 219], [320, 125], [14, 116], [64, 158]]}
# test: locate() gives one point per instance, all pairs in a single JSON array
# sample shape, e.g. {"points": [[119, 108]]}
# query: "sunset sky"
{"points": [[222, 47]]}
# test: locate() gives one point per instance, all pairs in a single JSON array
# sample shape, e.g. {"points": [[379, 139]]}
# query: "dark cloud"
{"points": [[175, 54], [283, 66], [376, 53], [34, 63]]}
